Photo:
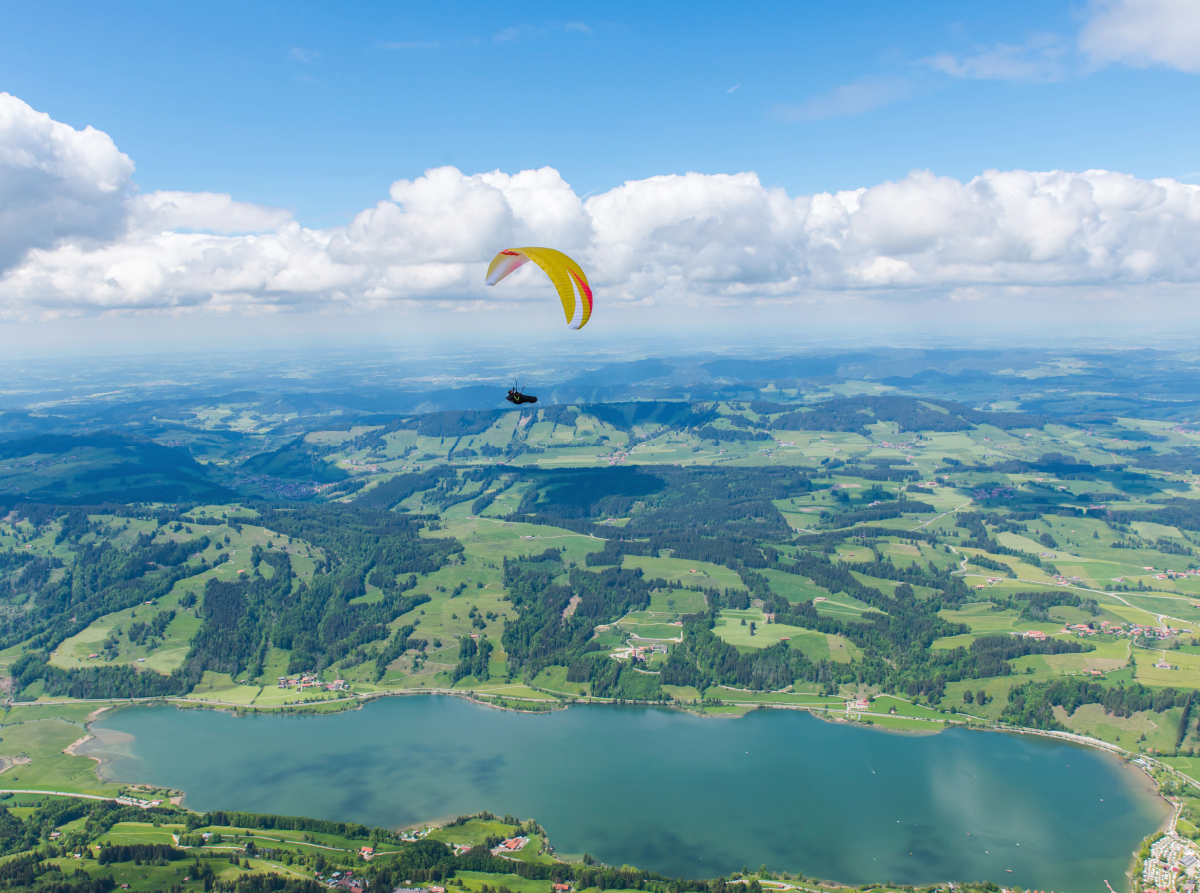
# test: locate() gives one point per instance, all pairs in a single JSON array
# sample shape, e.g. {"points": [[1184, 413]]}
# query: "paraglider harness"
{"points": [[517, 397]]}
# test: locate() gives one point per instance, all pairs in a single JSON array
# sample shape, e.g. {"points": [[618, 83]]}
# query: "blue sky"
{"points": [[317, 107], [720, 170]]}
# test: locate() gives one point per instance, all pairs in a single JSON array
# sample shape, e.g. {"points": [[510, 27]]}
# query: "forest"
{"points": [[243, 617]]}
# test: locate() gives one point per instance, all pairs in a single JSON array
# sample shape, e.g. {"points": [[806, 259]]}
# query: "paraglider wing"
{"points": [[568, 277]]}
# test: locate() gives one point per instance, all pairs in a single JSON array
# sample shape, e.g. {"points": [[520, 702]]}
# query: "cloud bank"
{"points": [[76, 238]]}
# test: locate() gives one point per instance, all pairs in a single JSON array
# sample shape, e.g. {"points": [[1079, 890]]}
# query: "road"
{"points": [[56, 794], [942, 515]]}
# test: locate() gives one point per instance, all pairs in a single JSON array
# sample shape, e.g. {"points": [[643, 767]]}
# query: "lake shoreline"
{"points": [[1144, 782], [824, 714]]}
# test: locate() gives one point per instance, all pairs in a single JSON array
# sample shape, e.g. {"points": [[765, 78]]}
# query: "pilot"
{"points": [[516, 397]]}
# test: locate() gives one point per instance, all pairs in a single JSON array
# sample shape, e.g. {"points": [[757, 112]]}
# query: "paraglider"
{"points": [[569, 280], [519, 397]]}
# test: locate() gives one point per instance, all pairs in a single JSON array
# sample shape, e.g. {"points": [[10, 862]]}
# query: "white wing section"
{"points": [[577, 316], [504, 264]]}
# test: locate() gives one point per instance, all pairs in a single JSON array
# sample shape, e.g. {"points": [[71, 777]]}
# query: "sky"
{"points": [[937, 170]]}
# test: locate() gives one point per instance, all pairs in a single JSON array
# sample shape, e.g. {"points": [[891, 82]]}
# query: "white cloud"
{"points": [[864, 95], [1137, 33], [1144, 33], [81, 241], [201, 211], [300, 54], [55, 181], [1039, 59], [578, 26]]}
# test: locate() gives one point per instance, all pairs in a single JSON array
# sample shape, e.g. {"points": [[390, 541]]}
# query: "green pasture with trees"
{"points": [[856, 546]]}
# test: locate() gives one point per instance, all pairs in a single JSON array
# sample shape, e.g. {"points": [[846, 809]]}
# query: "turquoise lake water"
{"points": [[672, 792]]}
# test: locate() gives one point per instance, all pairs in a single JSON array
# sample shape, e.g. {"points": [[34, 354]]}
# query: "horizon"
{"points": [[928, 176]]}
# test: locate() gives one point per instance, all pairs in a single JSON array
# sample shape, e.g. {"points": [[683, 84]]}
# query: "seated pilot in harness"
{"points": [[517, 397]]}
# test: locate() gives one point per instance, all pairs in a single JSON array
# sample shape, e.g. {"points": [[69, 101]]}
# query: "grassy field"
{"points": [[903, 724], [689, 573], [1090, 719], [472, 833], [154, 878], [142, 832], [731, 629], [792, 587], [474, 881], [815, 646], [1185, 672], [983, 620], [843, 607], [32, 741]]}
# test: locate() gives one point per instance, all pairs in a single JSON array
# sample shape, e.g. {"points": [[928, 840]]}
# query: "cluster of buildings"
{"points": [[285, 489], [1108, 628], [637, 653], [414, 834], [343, 880], [302, 682], [616, 457], [994, 493], [1150, 632], [134, 801], [991, 581], [1172, 867], [355, 463], [512, 845]]}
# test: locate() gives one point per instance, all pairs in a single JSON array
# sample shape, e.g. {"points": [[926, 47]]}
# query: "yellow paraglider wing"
{"points": [[568, 278]]}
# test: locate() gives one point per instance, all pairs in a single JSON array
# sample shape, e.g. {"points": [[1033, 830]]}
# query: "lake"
{"points": [[680, 794]]}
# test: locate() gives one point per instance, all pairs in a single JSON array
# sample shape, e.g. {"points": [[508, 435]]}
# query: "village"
{"points": [[1172, 866], [302, 682], [1132, 630]]}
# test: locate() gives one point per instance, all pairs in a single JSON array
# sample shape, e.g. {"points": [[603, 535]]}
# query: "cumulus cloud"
{"points": [[56, 182], [1144, 33], [81, 240], [203, 211]]}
